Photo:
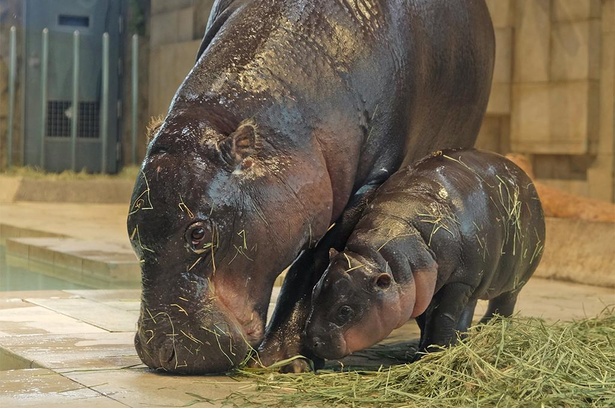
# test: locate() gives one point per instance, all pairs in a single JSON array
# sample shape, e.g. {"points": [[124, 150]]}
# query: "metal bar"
{"points": [[104, 111], [75, 103], [44, 67], [12, 79], [135, 95]]}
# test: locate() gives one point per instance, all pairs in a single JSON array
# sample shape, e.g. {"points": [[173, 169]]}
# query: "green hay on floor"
{"points": [[518, 362]]}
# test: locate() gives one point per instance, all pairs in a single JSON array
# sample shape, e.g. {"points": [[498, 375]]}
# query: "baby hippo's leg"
{"points": [[442, 320], [503, 304], [465, 320], [421, 321]]}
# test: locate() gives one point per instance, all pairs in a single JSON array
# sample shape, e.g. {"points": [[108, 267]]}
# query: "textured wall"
{"points": [[176, 31], [552, 95]]}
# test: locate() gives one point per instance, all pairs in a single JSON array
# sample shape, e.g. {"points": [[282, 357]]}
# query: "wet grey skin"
{"points": [[458, 226], [294, 113]]}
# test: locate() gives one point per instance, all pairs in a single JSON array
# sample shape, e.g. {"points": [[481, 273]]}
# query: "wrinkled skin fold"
{"points": [[458, 226], [293, 114]]}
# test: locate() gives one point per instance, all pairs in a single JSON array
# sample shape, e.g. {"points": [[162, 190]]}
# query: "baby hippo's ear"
{"points": [[382, 281], [239, 145], [332, 253]]}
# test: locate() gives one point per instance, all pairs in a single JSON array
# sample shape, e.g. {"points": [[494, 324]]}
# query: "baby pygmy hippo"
{"points": [[458, 226]]}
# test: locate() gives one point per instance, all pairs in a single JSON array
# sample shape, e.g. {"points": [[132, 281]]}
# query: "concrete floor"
{"points": [[73, 348]]}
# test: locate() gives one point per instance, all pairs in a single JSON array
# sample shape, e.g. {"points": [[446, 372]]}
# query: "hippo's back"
{"points": [[500, 218], [376, 83], [476, 208]]}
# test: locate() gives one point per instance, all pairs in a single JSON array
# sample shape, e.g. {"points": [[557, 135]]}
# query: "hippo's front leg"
{"points": [[441, 321], [284, 335]]}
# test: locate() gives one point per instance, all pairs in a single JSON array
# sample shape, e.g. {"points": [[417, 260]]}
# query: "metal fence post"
{"points": [[12, 79], [135, 95], [75, 102], [44, 66], [104, 112]]}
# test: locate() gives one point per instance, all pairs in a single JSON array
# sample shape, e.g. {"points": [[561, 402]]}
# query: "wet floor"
{"points": [[74, 348], [63, 345]]}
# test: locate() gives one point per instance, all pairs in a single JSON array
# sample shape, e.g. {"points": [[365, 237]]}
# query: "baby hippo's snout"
{"points": [[325, 342], [317, 343]]}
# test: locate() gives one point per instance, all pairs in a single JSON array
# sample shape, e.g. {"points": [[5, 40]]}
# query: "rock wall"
{"points": [[553, 91]]}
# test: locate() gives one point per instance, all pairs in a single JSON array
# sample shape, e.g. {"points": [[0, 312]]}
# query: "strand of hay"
{"points": [[518, 362]]}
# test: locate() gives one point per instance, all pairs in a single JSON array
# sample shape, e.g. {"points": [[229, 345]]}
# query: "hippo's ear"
{"points": [[154, 125], [239, 145], [332, 253], [382, 281]]}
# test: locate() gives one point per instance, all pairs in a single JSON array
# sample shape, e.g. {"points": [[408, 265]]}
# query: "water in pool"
{"points": [[14, 278]]}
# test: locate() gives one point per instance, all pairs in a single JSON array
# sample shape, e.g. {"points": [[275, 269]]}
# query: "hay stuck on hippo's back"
{"points": [[458, 226]]}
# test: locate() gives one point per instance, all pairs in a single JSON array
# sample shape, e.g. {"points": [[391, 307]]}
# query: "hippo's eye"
{"points": [[344, 314], [198, 237]]}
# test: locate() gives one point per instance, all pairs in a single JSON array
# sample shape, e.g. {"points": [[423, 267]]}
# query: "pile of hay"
{"points": [[519, 362]]}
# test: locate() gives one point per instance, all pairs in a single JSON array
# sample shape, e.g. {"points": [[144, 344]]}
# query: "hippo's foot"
{"points": [[421, 352], [283, 348], [296, 364], [286, 360]]}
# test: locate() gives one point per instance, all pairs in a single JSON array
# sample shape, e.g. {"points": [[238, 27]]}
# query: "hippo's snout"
{"points": [[183, 346], [167, 352], [327, 343], [317, 343]]}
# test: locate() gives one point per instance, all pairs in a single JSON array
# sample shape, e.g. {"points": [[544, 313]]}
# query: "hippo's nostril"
{"points": [[167, 352]]}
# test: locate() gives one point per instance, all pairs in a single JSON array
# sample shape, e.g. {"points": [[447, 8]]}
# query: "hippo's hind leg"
{"points": [[503, 304]]}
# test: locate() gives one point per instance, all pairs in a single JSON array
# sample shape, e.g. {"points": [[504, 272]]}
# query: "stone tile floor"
{"points": [[74, 348]]}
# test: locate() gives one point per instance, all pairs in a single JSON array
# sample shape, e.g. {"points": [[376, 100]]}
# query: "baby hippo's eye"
{"points": [[344, 314]]}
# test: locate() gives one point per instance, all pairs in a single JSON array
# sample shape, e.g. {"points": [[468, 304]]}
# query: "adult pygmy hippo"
{"points": [[295, 111], [458, 226]]}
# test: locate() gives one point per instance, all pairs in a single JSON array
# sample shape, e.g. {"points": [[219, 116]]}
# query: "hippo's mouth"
{"points": [[208, 342], [250, 323]]}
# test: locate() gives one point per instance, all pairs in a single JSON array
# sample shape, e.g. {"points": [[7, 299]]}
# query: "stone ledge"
{"points": [[26, 189], [8, 231], [90, 263], [576, 250]]}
